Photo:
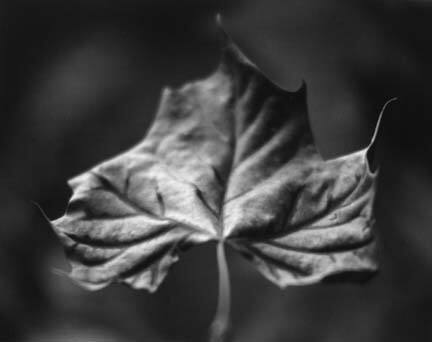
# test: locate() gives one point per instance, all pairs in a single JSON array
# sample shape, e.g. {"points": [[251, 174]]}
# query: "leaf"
{"points": [[228, 158]]}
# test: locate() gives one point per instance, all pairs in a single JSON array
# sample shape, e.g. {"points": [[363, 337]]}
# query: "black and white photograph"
{"points": [[215, 171]]}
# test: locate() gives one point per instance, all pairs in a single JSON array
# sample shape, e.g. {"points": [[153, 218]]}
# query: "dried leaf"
{"points": [[232, 158]]}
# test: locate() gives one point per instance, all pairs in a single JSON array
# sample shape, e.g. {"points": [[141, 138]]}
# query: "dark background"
{"points": [[80, 82]]}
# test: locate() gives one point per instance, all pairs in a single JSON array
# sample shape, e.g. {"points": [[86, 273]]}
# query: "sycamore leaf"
{"points": [[228, 158]]}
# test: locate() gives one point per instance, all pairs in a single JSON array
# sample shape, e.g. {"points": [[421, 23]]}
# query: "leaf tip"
{"points": [[44, 215], [224, 36], [371, 149], [303, 87], [218, 19], [302, 90], [232, 56]]}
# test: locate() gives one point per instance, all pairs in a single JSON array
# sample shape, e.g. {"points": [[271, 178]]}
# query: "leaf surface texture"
{"points": [[230, 157]]}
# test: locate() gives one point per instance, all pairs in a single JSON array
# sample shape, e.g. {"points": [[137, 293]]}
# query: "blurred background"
{"points": [[80, 83]]}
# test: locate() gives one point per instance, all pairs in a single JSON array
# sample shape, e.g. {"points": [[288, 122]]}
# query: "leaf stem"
{"points": [[221, 322]]}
